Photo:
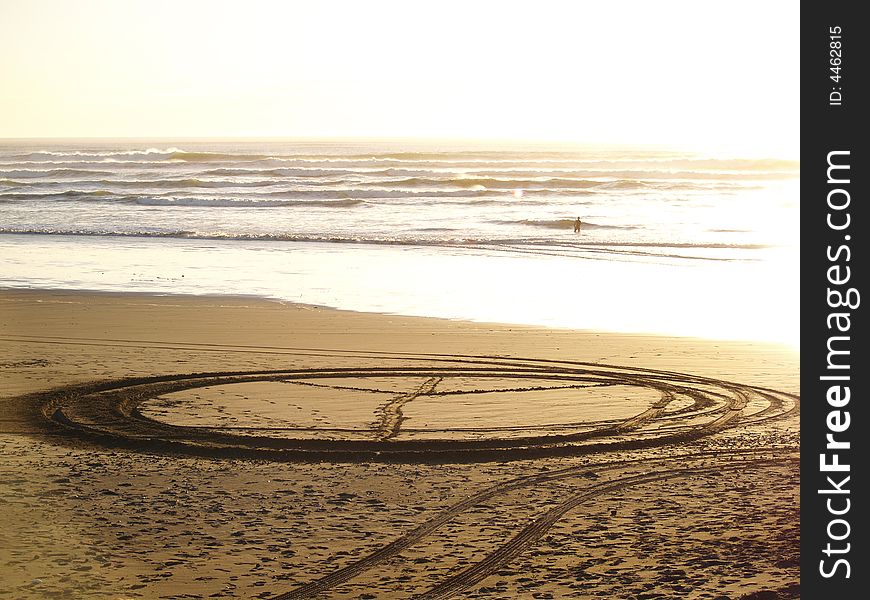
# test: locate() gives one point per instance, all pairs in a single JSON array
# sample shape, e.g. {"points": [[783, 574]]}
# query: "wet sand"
{"points": [[186, 447]]}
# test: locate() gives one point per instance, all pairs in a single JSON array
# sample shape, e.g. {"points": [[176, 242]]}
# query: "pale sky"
{"points": [[713, 75]]}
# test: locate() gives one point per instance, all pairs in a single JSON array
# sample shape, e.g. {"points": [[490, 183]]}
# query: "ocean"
{"points": [[669, 241]]}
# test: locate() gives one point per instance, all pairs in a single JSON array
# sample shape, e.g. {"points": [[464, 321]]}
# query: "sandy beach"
{"points": [[394, 301], [207, 447]]}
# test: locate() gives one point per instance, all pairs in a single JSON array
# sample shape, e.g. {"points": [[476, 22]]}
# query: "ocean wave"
{"points": [[247, 202], [216, 156], [282, 172], [273, 198], [254, 237], [66, 194], [411, 238], [489, 183], [708, 245], [277, 199], [190, 182], [337, 195], [520, 159], [361, 174], [402, 240], [145, 184], [369, 176], [577, 178], [39, 173], [646, 174], [385, 194], [521, 154], [562, 224], [105, 163], [103, 153], [561, 183], [431, 177], [457, 158], [414, 189], [446, 161], [627, 184]]}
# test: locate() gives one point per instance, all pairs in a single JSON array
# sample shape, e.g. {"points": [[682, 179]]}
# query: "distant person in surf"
{"points": [[577, 224]]}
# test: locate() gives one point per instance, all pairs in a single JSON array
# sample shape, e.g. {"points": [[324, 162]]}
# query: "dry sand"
{"points": [[343, 455]]}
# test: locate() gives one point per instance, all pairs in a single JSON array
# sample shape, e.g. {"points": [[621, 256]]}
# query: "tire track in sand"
{"points": [[390, 415], [107, 413], [535, 530], [314, 588]]}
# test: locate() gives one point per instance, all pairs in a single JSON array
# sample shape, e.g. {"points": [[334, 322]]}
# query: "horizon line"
{"points": [[648, 146]]}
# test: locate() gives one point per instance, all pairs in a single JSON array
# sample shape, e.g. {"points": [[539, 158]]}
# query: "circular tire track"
{"points": [[108, 412]]}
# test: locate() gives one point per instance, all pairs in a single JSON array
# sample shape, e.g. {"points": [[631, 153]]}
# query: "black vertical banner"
{"points": [[835, 365]]}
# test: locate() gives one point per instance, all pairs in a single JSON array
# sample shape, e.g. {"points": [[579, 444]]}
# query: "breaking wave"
{"points": [[563, 224], [99, 154], [247, 202], [41, 173], [410, 238]]}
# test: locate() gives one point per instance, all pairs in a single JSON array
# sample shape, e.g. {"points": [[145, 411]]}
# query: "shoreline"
{"points": [[574, 289], [40, 294]]}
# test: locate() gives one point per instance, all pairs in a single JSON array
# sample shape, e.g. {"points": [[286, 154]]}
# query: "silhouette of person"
{"points": [[577, 225]]}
